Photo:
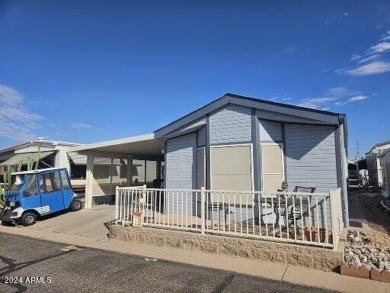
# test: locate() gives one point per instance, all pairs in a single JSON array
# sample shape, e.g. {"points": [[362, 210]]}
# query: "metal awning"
{"points": [[140, 145], [24, 158], [78, 159]]}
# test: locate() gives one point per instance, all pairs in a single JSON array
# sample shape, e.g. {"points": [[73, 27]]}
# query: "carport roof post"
{"points": [[89, 182]]}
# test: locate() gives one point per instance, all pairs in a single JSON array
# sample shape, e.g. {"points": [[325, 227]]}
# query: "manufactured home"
{"points": [[234, 143], [48, 154], [385, 166], [375, 170]]}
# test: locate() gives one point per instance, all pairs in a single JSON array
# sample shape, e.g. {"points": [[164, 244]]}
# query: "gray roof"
{"points": [[379, 144], [316, 115]]}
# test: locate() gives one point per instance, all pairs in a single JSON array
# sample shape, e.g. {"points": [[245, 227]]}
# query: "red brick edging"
{"points": [[362, 272]]}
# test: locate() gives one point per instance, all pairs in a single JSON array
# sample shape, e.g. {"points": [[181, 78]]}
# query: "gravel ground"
{"points": [[371, 248], [377, 220]]}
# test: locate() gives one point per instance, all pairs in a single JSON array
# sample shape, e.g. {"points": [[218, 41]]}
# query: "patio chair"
{"points": [[291, 210], [297, 209]]}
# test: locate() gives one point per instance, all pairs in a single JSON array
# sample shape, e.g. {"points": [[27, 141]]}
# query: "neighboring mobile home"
{"points": [[385, 165], [48, 153], [373, 163]]}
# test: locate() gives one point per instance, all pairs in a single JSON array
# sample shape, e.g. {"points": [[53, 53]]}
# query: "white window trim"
{"points": [[233, 145]]}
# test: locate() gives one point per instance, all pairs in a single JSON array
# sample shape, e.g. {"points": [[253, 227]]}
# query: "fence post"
{"points": [[334, 219], [116, 202], [202, 211]]}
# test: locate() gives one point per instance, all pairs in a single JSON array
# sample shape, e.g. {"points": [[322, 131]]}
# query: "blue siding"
{"points": [[311, 156], [270, 131], [231, 124], [194, 124], [268, 115], [202, 137], [189, 128], [181, 162], [180, 171]]}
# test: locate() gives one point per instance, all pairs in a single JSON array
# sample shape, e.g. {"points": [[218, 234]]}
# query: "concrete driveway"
{"points": [[86, 222]]}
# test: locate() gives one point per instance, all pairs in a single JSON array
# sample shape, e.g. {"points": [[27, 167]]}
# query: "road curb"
{"points": [[269, 270]]}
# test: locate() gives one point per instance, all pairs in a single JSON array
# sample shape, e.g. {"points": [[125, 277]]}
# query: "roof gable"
{"points": [[312, 114]]}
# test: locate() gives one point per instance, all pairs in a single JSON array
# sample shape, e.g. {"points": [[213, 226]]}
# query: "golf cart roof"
{"points": [[36, 171]]}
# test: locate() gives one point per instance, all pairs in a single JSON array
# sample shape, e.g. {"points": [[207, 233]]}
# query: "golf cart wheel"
{"points": [[75, 205], [28, 219]]}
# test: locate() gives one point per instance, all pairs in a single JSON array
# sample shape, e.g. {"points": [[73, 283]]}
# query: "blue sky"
{"points": [[87, 71]]}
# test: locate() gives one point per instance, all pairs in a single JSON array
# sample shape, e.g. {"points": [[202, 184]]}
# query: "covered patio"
{"points": [[131, 161]]}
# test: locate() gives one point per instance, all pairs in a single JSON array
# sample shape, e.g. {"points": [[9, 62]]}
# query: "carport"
{"points": [[130, 161]]}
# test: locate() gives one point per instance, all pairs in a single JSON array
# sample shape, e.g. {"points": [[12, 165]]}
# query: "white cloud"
{"points": [[380, 48], [290, 50], [81, 126], [374, 55], [9, 96], [317, 103], [337, 91], [370, 58], [335, 96], [16, 121], [357, 98], [386, 37], [355, 57], [371, 68]]}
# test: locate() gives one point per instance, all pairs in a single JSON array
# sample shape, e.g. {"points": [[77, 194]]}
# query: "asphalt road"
{"points": [[57, 269]]}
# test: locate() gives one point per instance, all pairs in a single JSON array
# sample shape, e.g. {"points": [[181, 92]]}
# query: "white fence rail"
{"points": [[306, 218], [337, 216]]}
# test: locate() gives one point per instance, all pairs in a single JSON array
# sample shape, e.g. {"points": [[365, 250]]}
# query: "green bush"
{"points": [[2, 200]]}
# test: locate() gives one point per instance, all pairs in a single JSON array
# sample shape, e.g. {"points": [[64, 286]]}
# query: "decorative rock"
{"points": [[356, 261], [372, 265], [361, 252], [368, 267], [381, 265]]}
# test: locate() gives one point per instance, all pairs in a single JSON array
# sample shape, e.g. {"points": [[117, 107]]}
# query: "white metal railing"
{"points": [[125, 202], [337, 216], [307, 218]]}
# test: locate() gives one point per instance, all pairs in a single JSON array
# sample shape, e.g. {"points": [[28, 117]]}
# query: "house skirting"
{"points": [[312, 257]]}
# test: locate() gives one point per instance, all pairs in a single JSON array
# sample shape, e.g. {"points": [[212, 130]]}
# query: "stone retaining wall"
{"points": [[312, 257]]}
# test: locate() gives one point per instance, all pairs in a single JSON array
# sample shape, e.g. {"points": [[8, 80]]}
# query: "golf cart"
{"points": [[38, 193]]}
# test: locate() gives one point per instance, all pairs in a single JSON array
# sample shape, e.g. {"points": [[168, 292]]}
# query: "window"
{"points": [[272, 166], [31, 186], [78, 171], [49, 182], [64, 180], [231, 167], [17, 182]]}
